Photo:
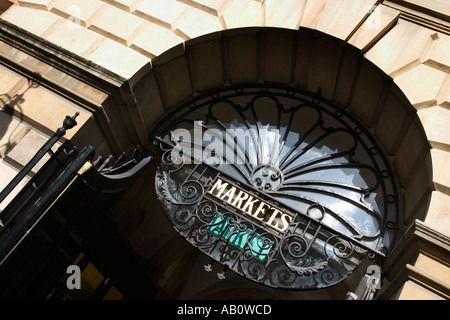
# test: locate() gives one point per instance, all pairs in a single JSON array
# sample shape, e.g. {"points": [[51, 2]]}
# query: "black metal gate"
{"points": [[63, 211]]}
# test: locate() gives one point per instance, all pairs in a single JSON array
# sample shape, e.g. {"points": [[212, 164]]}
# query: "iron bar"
{"points": [[24, 225], [32, 180], [30, 198], [69, 122]]}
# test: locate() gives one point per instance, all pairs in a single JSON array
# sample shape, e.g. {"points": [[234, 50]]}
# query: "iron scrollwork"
{"points": [[327, 197]]}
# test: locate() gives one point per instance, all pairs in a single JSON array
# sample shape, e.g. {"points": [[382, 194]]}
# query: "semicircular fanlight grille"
{"points": [[304, 153]]}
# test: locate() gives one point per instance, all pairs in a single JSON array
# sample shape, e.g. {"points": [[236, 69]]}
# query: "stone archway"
{"points": [[394, 79], [310, 60], [408, 42]]}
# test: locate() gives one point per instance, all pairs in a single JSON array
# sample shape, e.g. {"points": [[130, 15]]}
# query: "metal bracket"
{"points": [[368, 285]]}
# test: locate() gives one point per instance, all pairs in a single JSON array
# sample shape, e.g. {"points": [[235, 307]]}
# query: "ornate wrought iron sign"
{"points": [[278, 185], [270, 216]]}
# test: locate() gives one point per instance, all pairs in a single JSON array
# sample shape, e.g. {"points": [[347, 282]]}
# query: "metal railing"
{"points": [[31, 201]]}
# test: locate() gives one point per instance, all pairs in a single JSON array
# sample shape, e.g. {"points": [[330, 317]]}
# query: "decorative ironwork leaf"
{"points": [[308, 266], [167, 185]]}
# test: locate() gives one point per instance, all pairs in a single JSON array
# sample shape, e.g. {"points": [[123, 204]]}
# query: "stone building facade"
{"points": [[123, 64]]}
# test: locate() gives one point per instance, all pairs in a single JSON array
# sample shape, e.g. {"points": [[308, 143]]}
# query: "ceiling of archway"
{"points": [[363, 62]]}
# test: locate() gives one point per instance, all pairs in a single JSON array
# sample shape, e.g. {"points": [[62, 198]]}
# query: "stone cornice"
{"points": [[399, 266], [411, 273], [74, 78], [60, 58], [428, 18], [418, 238]]}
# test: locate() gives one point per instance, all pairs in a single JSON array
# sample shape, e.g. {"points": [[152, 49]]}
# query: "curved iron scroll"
{"points": [[329, 188]]}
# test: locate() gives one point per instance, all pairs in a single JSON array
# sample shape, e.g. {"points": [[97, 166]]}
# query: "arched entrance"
{"points": [[307, 61], [409, 43]]}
